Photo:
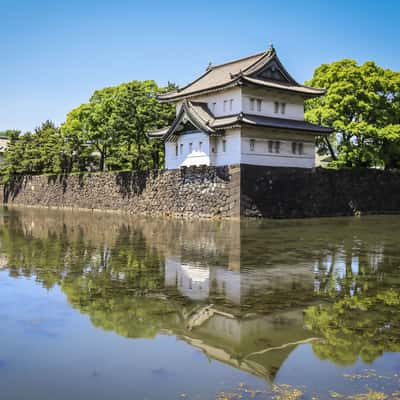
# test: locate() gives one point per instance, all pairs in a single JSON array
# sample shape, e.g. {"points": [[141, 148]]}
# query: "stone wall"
{"points": [[298, 193], [194, 191], [212, 192]]}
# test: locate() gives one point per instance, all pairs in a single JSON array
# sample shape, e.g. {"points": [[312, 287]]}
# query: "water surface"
{"points": [[105, 306]]}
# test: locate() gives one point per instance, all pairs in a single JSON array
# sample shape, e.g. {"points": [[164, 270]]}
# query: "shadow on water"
{"points": [[246, 294]]}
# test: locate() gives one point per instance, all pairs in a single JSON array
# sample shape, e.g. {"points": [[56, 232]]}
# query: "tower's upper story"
{"points": [[255, 85]]}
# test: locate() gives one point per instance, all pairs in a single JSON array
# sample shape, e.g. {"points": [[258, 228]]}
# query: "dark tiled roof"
{"points": [[283, 123], [200, 116], [306, 90], [241, 71]]}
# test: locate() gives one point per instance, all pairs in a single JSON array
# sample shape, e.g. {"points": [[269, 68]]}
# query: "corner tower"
{"points": [[246, 111]]}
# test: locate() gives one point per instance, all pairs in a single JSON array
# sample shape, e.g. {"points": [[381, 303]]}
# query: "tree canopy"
{"points": [[34, 153], [362, 104], [114, 124], [107, 133]]}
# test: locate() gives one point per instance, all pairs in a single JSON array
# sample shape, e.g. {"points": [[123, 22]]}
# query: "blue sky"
{"points": [[54, 54]]}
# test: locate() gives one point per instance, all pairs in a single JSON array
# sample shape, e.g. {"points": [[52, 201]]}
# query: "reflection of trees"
{"points": [[117, 279], [112, 269], [362, 325]]}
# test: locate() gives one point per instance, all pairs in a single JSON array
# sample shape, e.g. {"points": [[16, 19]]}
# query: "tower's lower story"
{"points": [[242, 145]]}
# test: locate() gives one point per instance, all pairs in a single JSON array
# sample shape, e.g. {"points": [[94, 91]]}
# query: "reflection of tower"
{"points": [[259, 345], [198, 282], [191, 281], [227, 283]]}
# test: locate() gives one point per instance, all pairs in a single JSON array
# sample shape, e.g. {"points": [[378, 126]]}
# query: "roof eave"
{"points": [[178, 97], [193, 118], [316, 132], [310, 94]]}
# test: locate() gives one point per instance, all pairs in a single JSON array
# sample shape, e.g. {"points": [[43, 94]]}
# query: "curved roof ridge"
{"points": [[270, 53], [192, 106], [179, 89], [212, 68], [261, 54]]}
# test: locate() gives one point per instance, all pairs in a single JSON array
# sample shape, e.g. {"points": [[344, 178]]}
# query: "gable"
{"points": [[183, 125], [273, 71], [192, 116], [186, 125]]}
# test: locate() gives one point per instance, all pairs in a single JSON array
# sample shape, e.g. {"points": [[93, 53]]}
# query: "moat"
{"points": [[106, 306]]}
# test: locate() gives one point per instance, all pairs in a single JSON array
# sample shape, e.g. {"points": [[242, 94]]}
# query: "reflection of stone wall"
{"points": [[294, 192], [194, 191]]}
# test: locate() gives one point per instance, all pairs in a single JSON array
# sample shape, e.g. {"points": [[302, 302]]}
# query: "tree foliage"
{"points": [[362, 104], [107, 133], [34, 153], [114, 125]]}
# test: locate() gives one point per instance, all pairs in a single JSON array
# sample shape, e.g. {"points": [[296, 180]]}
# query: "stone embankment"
{"points": [[201, 192], [216, 192]]}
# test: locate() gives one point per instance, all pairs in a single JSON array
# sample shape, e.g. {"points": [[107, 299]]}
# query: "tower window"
{"points": [[270, 146], [176, 150], [230, 104], [225, 105], [252, 104], [200, 146], [224, 145], [181, 148], [259, 104], [252, 144], [297, 148], [213, 107], [276, 107], [283, 108], [190, 147], [277, 147]]}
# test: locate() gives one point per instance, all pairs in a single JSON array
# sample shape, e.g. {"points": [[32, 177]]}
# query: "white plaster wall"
{"points": [[285, 158], [233, 148], [294, 103], [241, 102], [185, 157], [212, 150], [238, 149], [219, 97]]}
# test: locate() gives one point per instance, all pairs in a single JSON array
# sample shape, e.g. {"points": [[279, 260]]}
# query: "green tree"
{"points": [[114, 125], [45, 152], [9, 133], [138, 111], [75, 134], [362, 104], [34, 153]]}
